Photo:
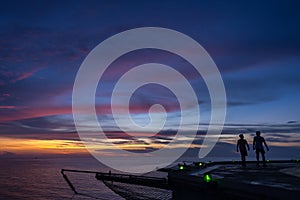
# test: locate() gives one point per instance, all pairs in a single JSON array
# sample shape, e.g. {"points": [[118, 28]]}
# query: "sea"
{"points": [[41, 178]]}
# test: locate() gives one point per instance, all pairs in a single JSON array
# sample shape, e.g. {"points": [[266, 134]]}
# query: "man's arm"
{"points": [[266, 144], [247, 145], [254, 141], [237, 146]]}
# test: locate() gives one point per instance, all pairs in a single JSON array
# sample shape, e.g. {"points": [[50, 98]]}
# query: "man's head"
{"points": [[241, 136], [258, 133]]}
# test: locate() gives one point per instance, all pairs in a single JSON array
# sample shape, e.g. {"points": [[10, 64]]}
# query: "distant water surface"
{"points": [[40, 178], [28, 178]]}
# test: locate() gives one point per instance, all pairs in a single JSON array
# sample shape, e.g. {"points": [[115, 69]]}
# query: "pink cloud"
{"points": [[7, 107], [27, 113], [34, 112], [18, 75], [26, 75], [6, 95]]}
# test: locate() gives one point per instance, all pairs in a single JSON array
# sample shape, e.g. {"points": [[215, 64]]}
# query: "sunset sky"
{"points": [[255, 45]]}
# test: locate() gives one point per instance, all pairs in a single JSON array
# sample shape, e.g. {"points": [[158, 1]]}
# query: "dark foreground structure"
{"points": [[208, 181]]}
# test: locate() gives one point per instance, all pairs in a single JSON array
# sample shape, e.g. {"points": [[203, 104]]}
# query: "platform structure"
{"points": [[230, 180], [280, 179]]}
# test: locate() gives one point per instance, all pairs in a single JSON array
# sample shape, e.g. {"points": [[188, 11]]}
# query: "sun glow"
{"points": [[28, 146]]}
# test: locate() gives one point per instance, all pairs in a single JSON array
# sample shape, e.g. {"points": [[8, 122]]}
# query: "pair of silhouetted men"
{"points": [[258, 141]]}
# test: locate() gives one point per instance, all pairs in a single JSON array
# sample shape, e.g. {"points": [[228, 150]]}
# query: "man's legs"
{"points": [[244, 160], [263, 158], [257, 157]]}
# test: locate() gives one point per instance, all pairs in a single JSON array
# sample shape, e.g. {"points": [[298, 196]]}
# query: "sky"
{"points": [[255, 45]]}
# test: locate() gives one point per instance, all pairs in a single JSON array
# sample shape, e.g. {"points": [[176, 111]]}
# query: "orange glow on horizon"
{"points": [[29, 146], [22, 146]]}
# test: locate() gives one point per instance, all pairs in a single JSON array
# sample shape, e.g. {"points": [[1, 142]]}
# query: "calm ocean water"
{"points": [[24, 178], [40, 178]]}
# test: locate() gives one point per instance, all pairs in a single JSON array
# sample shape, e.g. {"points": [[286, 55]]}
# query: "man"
{"points": [[258, 142], [241, 145]]}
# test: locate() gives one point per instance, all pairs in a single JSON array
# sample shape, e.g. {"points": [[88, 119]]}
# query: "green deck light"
{"points": [[200, 164], [181, 167], [268, 160], [207, 178]]}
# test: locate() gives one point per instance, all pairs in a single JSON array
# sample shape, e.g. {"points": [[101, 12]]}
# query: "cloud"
{"points": [[292, 122], [27, 113], [7, 107], [43, 45], [26, 75], [7, 154]]}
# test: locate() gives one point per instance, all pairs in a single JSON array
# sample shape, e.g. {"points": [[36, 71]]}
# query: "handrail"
{"points": [[129, 178]]}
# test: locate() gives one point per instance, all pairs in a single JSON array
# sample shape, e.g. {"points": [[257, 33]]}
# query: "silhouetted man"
{"points": [[241, 145], [258, 142]]}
